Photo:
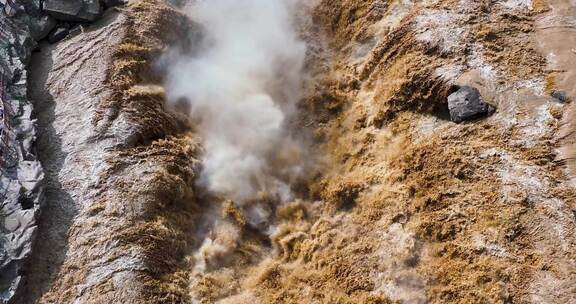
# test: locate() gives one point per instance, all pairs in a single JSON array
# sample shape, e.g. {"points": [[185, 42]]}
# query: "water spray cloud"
{"points": [[241, 84]]}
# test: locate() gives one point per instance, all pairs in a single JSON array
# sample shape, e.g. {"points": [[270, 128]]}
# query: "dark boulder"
{"points": [[92, 10], [58, 34], [467, 104], [41, 26], [63, 9], [561, 96], [113, 3], [73, 10]]}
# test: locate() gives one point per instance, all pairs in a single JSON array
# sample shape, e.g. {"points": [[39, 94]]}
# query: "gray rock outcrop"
{"points": [[22, 24], [21, 173]]}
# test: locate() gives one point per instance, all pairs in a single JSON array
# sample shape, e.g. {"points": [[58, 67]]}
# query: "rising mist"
{"points": [[240, 86]]}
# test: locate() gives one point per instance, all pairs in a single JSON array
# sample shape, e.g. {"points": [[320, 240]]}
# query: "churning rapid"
{"points": [[240, 84], [288, 151]]}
